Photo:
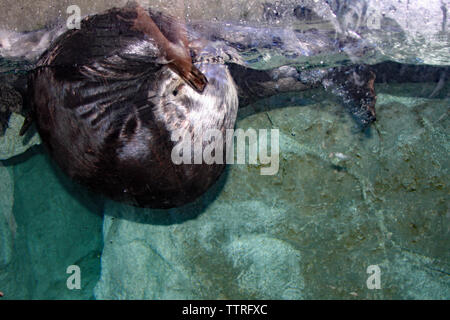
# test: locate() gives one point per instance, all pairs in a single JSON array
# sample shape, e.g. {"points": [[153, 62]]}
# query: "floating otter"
{"points": [[107, 98]]}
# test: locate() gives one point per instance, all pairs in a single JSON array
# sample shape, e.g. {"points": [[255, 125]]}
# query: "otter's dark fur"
{"points": [[106, 103]]}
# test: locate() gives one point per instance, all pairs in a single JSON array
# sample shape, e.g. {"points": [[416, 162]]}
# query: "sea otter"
{"points": [[107, 98]]}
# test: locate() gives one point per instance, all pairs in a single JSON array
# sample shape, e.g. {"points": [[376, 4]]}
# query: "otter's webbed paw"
{"points": [[355, 86]]}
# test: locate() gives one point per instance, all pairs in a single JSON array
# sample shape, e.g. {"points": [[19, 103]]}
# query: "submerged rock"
{"points": [[341, 202], [11, 143]]}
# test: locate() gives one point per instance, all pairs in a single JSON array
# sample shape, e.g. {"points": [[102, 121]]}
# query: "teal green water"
{"points": [[309, 232], [58, 224]]}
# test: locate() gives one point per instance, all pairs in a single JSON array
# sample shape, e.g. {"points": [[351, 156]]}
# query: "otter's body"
{"points": [[108, 98], [106, 105]]}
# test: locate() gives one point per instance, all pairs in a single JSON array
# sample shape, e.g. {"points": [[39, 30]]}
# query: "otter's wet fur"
{"points": [[106, 98], [106, 103]]}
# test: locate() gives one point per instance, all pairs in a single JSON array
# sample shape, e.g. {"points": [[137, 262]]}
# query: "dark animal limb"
{"points": [[353, 85]]}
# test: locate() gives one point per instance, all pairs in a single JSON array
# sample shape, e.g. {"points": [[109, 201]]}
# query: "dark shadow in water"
{"points": [[23, 157], [175, 215]]}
